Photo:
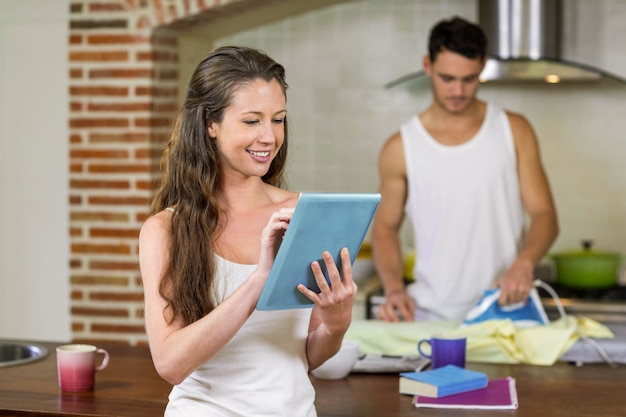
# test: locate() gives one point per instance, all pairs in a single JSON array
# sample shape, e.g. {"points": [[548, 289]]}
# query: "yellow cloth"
{"points": [[494, 341]]}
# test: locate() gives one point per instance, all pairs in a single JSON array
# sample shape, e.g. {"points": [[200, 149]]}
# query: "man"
{"points": [[467, 174]]}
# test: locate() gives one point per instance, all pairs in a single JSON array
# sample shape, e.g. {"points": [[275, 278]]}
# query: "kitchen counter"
{"points": [[130, 387]]}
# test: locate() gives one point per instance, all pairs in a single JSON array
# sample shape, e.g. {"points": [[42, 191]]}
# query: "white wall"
{"points": [[34, 243]]}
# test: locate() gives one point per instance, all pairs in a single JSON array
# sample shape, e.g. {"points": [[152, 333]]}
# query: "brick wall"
{"points": [[123, 97]]}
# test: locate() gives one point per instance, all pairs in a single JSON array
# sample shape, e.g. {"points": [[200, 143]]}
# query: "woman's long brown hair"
{"points": [[191, 177]]}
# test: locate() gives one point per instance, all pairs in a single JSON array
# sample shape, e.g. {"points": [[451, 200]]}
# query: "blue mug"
{"points": [[444, 350]]}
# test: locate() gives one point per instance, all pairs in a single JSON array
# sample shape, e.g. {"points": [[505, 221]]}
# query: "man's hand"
{"points": [[398, 306], [516, 283]]}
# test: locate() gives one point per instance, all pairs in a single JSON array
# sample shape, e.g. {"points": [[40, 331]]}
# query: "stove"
{"points": [[604, 305]]}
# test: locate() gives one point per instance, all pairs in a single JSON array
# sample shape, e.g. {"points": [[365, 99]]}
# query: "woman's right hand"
{"points": [[272, 237], [178, 349]]}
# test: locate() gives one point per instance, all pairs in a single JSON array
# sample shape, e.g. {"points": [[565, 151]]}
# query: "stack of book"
{"points": [[455, 387]]}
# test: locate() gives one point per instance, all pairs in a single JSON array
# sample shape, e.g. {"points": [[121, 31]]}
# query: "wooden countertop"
{"points": [[130, 387]]}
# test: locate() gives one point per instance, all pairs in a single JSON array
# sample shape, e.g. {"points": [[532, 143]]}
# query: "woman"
{"points": [[205, 253]]}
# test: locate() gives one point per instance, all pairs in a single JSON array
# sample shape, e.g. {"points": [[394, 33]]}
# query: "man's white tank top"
{"points": [[262, 371], [465, 206]]}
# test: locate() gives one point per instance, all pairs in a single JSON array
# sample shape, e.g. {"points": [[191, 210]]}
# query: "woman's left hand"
{"points": [[334, 302]]}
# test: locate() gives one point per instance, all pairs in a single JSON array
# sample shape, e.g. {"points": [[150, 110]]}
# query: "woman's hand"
{"points": [[334, 302], [271, 238]]}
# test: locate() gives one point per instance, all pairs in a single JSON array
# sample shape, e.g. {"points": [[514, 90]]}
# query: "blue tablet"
{"points": [[320, 222]]}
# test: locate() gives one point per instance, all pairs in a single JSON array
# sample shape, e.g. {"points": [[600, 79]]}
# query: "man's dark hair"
{"points": [[457, 35]]}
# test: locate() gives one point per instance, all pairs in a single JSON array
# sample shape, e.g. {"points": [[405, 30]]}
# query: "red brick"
{"points": [[75, 200], [165, 107], [76, 8], [92, 122], [114, 266], [142, 217], [160, 136], [159, 13], [117, 328], [98, 216], [146, 185], [117, 73], [98, 56], [131, 5], [120, 107], [118, 168], [75, 138], [98, 91], [148, 153], [93, 24], [144, 22], [76, 168], [91, 248], [98, 184], [113, 39], [153, 122], [114, 233], [99, 280], [97, 341], [76, 231], [118, 137], [106, 7], [75, 39], [99, 154], [76, 73], [119, 201], [156, 91], [78, 248], [116, 296], [99, 312], [76, 106]]}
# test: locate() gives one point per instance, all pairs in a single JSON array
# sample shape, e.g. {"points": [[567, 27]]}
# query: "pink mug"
{"points": [[76, 365]]}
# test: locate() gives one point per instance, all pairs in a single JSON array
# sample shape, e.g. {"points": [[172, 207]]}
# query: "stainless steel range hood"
{"points": [[524, 44]]}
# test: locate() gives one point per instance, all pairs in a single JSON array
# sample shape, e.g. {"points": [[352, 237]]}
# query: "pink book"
{"points": [[499, 394]]}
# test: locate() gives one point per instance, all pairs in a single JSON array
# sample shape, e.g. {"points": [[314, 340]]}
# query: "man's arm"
{"points": [[385, 231], [516, 283]]}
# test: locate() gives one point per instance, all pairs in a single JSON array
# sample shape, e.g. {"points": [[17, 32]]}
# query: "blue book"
{"points": [[440, 382]]}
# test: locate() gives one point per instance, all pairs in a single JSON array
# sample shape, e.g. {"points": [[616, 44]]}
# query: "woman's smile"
{"points": [[261, 156]]}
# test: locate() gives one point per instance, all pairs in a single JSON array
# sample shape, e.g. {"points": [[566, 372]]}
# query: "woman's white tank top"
{"points": [[262, 371]]}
